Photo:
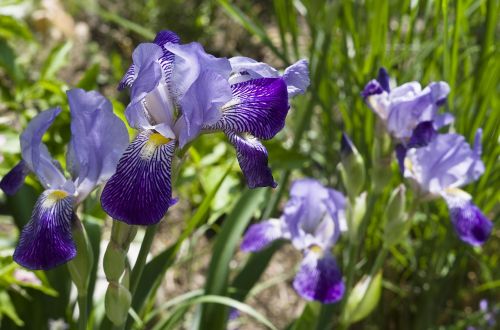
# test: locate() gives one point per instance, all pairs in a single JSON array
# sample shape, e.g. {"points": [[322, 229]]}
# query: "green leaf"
{"points": [[363, 298], [57, 58], [8, 60], [224, 248], [214, 299], [308, 318], [11, 28], [89, 78], [7, 308]]}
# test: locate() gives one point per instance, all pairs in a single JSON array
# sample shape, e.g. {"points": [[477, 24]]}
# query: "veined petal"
{"points": [[319, 278], [140, 191], [252, 157], [167, 60], [166, 36], [46, 240], [13, 180], [98, 139], [296, 77], [261, 235], [471, 225], [259, 107], [36, 154]]}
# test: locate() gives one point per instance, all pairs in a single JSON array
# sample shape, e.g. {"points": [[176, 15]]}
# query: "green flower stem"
{"points": [[141, 258], [82, 305]]}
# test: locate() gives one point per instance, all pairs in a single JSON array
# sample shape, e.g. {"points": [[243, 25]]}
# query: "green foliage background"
{"points": [[430, 280]]}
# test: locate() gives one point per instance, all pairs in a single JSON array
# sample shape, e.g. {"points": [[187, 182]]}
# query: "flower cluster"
{"points": [[437, 164], [312, 221], [98, 138], [178, 91]]}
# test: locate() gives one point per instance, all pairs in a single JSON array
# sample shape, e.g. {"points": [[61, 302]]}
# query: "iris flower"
{"points": [[440, 168], [98, 138], [401, 109], [178, 91], [311, 220]]}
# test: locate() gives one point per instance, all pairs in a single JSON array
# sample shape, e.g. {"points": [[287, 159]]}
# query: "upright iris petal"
{"points": [[406, 106], [140, 192], [46, 240], [311, 221]]}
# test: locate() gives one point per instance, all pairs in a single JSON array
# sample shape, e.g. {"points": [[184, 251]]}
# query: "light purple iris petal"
{"points": [[140, 192], [201, 104], [148, 77], [98, 139], [471, 225], [46, 241], [258, 107], [295, 76], [319, 279], [410, 106], [313, 214], [252, 157], [14, 180], [261, 235], [36, 154], [441, 120], [446, 162]]}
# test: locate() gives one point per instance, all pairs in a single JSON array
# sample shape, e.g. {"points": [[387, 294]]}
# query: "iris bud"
{"points": [[117, 303], [395, 220], [356, 210], [352, 167], [114, 262], [382, 159]]}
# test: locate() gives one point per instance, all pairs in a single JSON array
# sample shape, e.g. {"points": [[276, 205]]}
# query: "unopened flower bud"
{"points": [[122, 233], [80, 267], [382, 159], [395, 219], [352, 167], [356, 210], [117, 303], [114, 262], [363, 298]]}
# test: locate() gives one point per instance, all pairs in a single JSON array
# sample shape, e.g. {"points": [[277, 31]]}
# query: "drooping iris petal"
{"points": [[98, 139], [201, 104], [260, 235], [411, 106], [13, 180], [46, 241], [140, 192], [253, 160], [148, 75], [319, 279], [422, 135], [446, 162], [471, 225], [36, 154], [259, 107]]}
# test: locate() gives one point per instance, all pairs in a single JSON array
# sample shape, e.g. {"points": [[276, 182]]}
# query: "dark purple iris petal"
{"points": [[383, 79], [140, 191], [13, 180], [471, 225], [260, 235], [319, 279], [165, 36], [258, 107], [422, 135], [400, 156], [128, 78], [373, 87], [346, 146], [46, 240], [252, 157]]}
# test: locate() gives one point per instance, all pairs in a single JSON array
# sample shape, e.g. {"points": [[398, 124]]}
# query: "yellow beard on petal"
{"points": [[155, 140], [316, 249], [53, 197]]}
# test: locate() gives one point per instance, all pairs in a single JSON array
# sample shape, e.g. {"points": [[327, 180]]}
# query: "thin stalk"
{"points": [[141, 258], [82, 305]]}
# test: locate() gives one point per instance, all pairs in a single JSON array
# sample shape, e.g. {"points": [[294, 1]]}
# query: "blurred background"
{"points": [[431, 280]]}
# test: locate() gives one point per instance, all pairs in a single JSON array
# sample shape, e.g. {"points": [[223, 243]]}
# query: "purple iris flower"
{"points": [[440, 168], [178, 91], [404, 107], [312, 221], [98, 138]]}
